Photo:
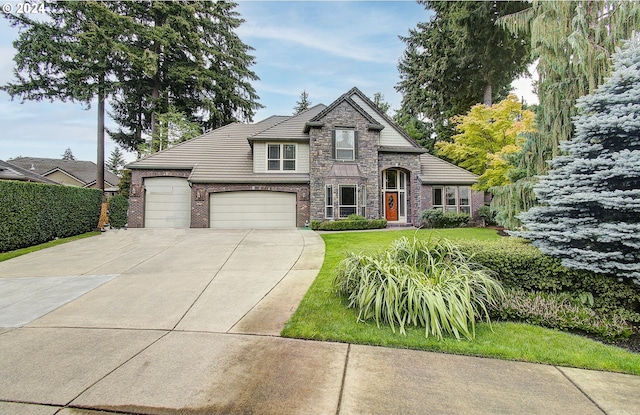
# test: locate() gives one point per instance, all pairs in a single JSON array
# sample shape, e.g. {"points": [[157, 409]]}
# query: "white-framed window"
{"points": [[348, 200], [345, 145], [281, 157], [455, 199], [328, 201], [363, 201]]}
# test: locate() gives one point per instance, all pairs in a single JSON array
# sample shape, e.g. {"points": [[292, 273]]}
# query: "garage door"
{"points": [[258, 209], [167, 202]]}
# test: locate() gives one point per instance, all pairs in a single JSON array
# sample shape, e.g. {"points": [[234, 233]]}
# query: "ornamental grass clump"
{"points": [[420, 283]]}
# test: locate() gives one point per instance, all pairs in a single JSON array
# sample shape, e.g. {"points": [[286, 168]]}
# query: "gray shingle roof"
{"points": [[83, 171], [291, 129], [437, 171], [9, 171], [219, 156]]}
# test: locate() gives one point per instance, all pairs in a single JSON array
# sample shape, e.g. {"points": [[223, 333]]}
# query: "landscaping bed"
{"points": [[323, 315]]}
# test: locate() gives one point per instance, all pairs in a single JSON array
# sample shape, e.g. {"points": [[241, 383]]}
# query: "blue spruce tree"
{"points": [[590, 213]]}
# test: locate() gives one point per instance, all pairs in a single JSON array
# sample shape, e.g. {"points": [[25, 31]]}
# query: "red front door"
{"points": [[391, 202]]}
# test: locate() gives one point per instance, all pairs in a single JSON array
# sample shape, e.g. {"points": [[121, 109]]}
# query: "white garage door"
{"points": [[167, 202], [257, 209]]}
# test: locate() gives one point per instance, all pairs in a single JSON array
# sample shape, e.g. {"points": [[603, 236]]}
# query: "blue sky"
{"points": [[325, 48]]}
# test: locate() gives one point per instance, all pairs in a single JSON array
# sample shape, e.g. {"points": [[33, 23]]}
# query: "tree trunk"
{"points": [[487, 95], [100, 159]]}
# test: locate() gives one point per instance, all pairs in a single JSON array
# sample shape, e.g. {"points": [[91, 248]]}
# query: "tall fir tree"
{"points": [[115, 163], [573, 42], [202, 69], [71, 55], [68, 154], [457, 59], [303, 104], [378, 100], [590, 212]]}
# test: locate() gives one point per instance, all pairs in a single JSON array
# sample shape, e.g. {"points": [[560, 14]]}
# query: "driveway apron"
{"points": [[169, 321]]}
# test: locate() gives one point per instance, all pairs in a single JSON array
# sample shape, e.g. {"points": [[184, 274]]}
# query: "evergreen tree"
{"points": [[116, 162], [202, 69], [72, 55], [378, 100], [459, 58], [68, 154], [303, 104], [173, 128], [590, 212], [573, 42]]}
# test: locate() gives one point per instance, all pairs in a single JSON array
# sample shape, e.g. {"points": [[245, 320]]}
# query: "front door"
{"points": [[391, 208]]}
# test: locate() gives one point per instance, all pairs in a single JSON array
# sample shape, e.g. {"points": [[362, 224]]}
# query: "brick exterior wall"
{"points": [[477, 200], [136, 192], [201, 192], [200, 196]]}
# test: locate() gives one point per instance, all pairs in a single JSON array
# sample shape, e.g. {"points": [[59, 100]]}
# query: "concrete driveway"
{"points": [[186, 322]]}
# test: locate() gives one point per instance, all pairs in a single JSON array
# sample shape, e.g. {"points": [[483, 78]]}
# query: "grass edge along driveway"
{"points": [[323, 316]]}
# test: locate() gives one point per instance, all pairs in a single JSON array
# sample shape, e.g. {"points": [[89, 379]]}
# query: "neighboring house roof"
{"points": [[9, 171], [437, 171], [219, 156], [82, 171]]}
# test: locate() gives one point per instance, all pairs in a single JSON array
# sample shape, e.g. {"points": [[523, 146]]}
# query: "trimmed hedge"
{"points": [[348, 225], [436, 218], [520, 265], [118, 207], [34, 213]]}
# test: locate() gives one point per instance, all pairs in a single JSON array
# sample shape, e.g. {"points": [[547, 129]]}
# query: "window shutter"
{"points": [[355, 144], [333, 144]]}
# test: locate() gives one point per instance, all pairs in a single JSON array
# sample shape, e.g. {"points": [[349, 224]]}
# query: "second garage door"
{"points": [[256, 209]]}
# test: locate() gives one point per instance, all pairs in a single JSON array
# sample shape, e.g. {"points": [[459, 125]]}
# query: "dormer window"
{"points": [[345, 144], [281, 157]]}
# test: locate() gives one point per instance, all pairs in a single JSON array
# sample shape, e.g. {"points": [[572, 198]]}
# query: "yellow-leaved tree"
{"points": [[487, 135]]}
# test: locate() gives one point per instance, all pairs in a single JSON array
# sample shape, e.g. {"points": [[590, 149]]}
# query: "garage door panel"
{"points": [[252, 209], [167, 202]]}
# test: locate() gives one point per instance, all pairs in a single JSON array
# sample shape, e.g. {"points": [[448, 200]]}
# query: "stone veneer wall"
{"points": [[201, 191], [410, 164], [321, 160], [136, 192]]}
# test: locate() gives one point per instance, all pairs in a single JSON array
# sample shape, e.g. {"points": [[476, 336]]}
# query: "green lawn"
{"points": [[323, 316], [12, 254]]}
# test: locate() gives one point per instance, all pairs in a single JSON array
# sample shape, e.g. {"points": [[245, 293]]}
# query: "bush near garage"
{"points": [[118, 208], [352, 222], [34, 213], [520, 265]]}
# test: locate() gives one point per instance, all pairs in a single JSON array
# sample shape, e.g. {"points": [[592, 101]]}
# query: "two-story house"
{"points": [[325, 163]]}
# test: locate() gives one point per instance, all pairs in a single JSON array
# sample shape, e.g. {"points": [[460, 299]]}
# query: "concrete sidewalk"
{"points": [[190, 324]]}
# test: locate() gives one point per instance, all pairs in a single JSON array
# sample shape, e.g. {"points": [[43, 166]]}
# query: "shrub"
{"points": [[354, 216], [431, 218], [435, 218], [346, 224], [520, 265], [118, 208], [418, 283], [34, 213], [455, 220], [487, 215], [558, 311]]}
